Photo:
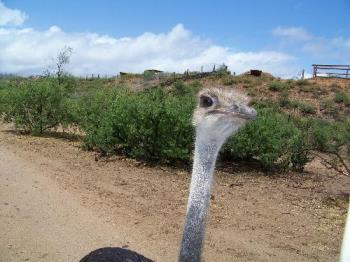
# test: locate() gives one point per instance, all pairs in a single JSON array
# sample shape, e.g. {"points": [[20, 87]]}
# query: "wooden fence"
{"points": [[342, 71]]}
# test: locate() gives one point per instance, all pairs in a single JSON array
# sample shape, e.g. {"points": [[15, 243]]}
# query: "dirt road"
{"points": [[41, 222], [57, 203]]}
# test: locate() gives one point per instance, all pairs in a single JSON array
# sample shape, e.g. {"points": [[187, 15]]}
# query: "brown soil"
{"points": [[317, 92], [70, 203]]}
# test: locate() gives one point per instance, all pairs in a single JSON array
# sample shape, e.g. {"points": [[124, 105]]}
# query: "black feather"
{"points": [[114, 254]]}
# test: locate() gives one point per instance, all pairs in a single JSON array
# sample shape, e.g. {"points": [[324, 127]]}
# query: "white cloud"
{"points": [[292, 33], [318, 48], [10, 17], [28, 51]]}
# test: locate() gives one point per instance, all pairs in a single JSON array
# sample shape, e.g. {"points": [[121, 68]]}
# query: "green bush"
{"points": [[3, 106], [329, 137], [155, 124], [181, 89], [271, 139], [302, 82], [306, 109], [152, 124], [342, 97], [285, 102], [278, 86], [230, 80], [36, 105], [94, 110], [284, 99], [221, 71], [149, 75], [329, 107]]}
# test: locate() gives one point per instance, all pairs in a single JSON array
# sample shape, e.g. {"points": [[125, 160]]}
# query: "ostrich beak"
{"points": [[243, 111]]}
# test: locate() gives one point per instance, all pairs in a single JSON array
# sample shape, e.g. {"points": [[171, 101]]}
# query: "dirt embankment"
{"points": [[57, 203]]}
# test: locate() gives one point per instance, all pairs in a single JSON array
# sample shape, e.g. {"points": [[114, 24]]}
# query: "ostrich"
{"points": [[220, 113]]}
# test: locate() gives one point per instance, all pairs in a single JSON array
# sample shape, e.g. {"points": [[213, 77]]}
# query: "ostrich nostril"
{"points": [[253, 113]]}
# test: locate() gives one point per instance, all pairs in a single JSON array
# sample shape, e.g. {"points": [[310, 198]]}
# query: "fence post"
{"points": [[315, 71], [302, 74]]}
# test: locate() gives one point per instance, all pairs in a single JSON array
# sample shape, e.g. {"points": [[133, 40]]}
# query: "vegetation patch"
{"points": [[36, 105], [342, 97], [271, 139], [306, 109], [155, 124], [152, 124], [278, 86]]}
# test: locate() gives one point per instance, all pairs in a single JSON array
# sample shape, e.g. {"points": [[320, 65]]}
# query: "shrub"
{"points": [[306, 109], [290, 81], [329, 137], [36, 105], [334, 87], [302, 82], [149, 75], [156, 125], [3, 92], [278, 86], [230, 80], [307, 88], [329, 107], [271, 139], [3, 83], [221, 71], [284, 99], [3, 106], [181, 89], [95, 119], [342, 97], [152, 124]]}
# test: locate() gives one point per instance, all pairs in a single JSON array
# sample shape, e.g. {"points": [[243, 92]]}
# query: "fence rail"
{"points": [[331, 70]]}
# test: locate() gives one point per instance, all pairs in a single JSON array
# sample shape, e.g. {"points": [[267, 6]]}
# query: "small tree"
{"points": [[62, 59]]}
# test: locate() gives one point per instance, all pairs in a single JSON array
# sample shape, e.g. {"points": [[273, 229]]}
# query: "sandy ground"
{"points": [[41, 222], [57, 203]]}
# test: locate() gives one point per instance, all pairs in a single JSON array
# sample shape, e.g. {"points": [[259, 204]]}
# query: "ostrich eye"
{"points": [[206, 101]]}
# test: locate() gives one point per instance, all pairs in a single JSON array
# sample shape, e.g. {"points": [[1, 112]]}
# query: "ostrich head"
{"points": [[220, 113]]}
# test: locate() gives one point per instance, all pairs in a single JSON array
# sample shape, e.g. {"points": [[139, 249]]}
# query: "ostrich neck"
{"points": [[199, 199]]}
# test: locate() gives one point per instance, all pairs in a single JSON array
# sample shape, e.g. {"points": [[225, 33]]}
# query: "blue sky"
{"points": [[278, 36]]}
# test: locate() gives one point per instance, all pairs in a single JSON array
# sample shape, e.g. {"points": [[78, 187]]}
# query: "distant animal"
{"points": [[219, 114]]}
